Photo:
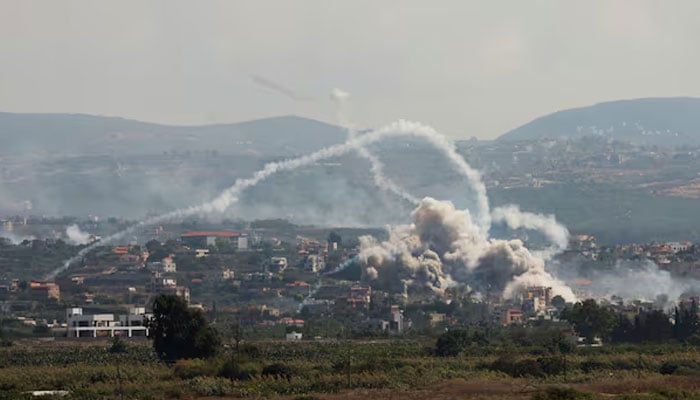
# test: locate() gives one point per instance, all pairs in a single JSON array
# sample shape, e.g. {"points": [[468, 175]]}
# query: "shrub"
{"points": [[190, 368], [552, 365], [517, 368], [589, 366], [238, 371], [278, 370], [680, 367], [451, 343]]}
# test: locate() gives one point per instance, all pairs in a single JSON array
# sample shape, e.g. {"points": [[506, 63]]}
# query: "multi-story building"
{"points": [[209, 238], [100, 325]]}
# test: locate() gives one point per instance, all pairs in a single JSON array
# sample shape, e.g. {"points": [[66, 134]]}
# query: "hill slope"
{"points": [[673, 121], [78, 134]]}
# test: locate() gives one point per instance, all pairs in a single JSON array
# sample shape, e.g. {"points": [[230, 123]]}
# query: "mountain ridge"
{"points": [[73, 134], [671, 121]]}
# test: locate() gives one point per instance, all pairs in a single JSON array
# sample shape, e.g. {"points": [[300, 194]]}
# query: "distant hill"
{"points": [[673, 121], [78, 134]]}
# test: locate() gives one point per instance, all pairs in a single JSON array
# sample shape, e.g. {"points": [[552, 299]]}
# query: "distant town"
{"points": [[279, 280]]}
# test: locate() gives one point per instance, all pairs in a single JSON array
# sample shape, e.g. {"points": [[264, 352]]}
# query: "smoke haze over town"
{"points": [[242, 196]]}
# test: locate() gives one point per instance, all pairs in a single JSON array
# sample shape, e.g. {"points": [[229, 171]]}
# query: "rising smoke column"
{"points": [[443, 246], [229, 196]]}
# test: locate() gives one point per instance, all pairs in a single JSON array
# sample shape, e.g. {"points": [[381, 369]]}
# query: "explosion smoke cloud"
{"points": [[76, 236], [443, 246], [400, 128]]}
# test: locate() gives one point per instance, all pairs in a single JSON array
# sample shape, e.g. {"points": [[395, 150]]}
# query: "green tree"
{"points": [[591, 320], [687, 322], [452, 342], [652, 326], [333, 237], [558, 302], [180, 332]]}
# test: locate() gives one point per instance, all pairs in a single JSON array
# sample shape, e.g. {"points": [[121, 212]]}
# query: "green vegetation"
{"points": [[181, 332], [294, 369]]}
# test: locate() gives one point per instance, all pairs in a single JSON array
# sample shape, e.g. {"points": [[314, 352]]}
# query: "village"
{"points": [[290, 287]]}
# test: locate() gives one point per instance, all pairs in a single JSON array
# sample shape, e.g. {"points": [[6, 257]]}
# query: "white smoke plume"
{"points": [[76, 236], [443, 246], [556, 233], [14, 238], [640, 280], [219, 204]]}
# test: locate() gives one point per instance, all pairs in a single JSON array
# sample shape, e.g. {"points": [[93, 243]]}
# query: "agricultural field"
{"points": [[354, 369]]}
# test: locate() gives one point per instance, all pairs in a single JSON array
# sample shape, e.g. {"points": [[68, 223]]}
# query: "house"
{"points": [[314, 262], [299, 323], [378, 324], [179, 291], [210, 238], [435, 318], [360, 297], [278, 264], [512, 316], [100, 325], [227, 274], [396, 321], [677, 247], [293, 336], [201, 253], [169, 265], [44, 290]]}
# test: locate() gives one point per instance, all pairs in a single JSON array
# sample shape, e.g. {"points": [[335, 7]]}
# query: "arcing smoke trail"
{"points": [[229, 196], [376, 167]]}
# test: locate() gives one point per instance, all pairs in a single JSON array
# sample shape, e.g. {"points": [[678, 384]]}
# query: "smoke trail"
{"points": [[340, 98], [342, 266], [556, 233], [310, 296], [268, 84], [230, 195]]}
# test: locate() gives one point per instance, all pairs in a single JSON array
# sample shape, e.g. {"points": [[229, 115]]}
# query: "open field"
{"points": [[383, 369]]}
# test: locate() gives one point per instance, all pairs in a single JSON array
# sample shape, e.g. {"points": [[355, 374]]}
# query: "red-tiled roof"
{"points": [[211, 233]]}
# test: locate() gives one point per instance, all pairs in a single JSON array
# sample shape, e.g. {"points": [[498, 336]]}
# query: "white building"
{"points": [[678, 247], [293, 336], [169, 266], [396, 321], [315, 263], [278, 264], [101, 325]]}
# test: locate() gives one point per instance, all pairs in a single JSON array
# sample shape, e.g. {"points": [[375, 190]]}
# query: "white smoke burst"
{"points": [[443, 246], [401, 128], [514, 218], [76, 236]]}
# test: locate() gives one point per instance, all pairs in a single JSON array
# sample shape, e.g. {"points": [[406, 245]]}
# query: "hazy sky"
{"points": [[469, 68]]}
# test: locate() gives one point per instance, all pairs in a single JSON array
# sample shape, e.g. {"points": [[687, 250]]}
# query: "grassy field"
{"points": [[350, 370]]}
